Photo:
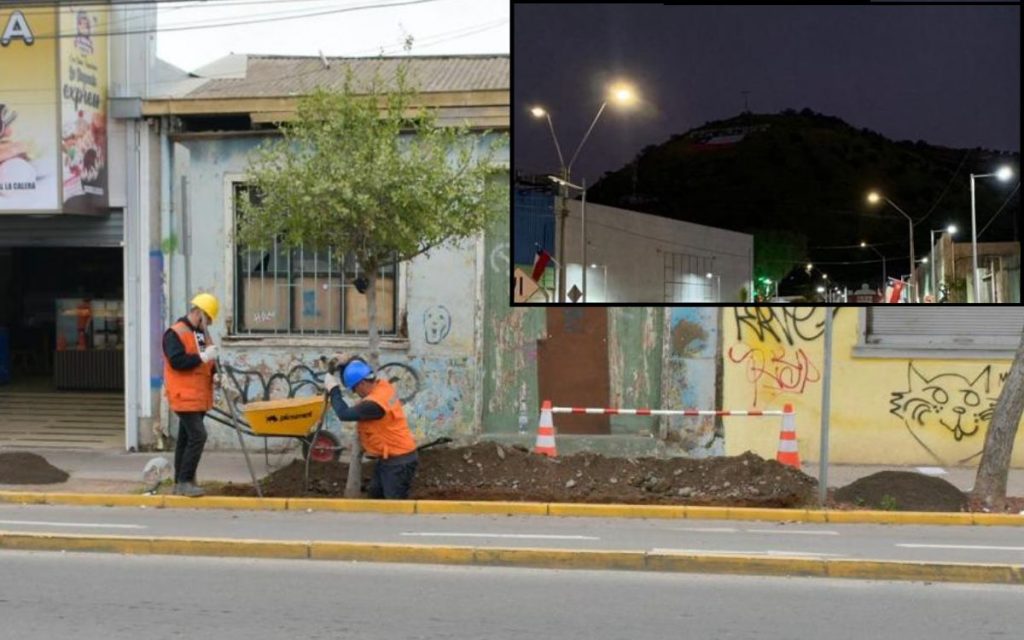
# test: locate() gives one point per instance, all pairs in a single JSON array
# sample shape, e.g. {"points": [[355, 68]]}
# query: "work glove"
{"points": [[330, 382], [209, 353]]}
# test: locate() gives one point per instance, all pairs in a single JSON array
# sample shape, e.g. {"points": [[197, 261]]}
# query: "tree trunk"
{"points": [[990, 483], [355, 465]]}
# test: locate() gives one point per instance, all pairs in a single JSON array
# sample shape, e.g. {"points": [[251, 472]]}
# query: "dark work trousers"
{"points": [[191, 439], [392, 478]]}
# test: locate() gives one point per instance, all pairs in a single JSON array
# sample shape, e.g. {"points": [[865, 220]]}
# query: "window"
{"points": [[299, 291], [686, 278], [939, 332]]}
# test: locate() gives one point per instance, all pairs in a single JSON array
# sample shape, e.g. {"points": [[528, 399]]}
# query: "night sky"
{"points": [[948, 75]]}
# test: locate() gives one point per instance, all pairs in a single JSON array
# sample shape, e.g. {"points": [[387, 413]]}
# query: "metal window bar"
{"points": [[300, 316]]}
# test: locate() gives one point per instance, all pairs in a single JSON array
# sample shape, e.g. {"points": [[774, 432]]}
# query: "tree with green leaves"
{"points": [[371, 174], [776, 253]]}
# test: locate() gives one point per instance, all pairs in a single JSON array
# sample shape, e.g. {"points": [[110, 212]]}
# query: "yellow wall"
{"points": [[774, 356]]}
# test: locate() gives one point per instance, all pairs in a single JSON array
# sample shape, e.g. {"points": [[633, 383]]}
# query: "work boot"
{"points": [[188, 489]]}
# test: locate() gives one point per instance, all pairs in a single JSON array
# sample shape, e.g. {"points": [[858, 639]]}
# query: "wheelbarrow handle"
{"points": [[433, 443]]}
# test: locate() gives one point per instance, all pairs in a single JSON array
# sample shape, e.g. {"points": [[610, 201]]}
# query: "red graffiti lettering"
{"points": [[773, 371]]}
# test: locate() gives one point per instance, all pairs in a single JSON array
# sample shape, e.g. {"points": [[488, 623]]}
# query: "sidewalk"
{"points": [[116, 471]]}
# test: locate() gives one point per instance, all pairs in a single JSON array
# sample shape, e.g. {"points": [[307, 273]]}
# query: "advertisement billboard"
{"points": [[53, 109], [83, 90], [29, 164]]}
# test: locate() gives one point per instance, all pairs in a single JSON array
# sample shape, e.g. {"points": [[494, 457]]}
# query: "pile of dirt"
{"points": [[488, 471], [28, 468], [902, 491]]}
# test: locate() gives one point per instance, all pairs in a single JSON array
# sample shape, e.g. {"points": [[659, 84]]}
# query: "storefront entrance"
{"points": [[61, 347]]}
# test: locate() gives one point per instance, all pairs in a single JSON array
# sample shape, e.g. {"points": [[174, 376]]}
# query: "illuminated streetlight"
{"points": [[875, 197], [620, 94], [865, 245], [1004, 174], [951, 230], [623, 94]]}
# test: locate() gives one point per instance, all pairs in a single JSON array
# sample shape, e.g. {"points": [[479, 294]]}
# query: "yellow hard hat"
{"points": [[208, 303]]}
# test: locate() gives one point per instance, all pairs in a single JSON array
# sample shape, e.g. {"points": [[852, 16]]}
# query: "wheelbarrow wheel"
{"points": [[326, 447]]}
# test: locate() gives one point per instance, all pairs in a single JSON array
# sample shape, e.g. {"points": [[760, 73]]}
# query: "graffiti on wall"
{"points": [[778, 324], [939, 406], [437, 323], [499, 258], [250, 385], [770, 345], [775, 369]]}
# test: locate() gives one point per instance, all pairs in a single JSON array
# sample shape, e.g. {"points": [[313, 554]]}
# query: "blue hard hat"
{"points": [[354, 373]]}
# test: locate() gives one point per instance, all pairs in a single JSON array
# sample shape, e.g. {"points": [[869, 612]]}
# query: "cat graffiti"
{"points": [[948, 404]]}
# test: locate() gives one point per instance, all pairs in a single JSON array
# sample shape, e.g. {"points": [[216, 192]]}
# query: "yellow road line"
{"points": [[521, 557], [516, 508]]}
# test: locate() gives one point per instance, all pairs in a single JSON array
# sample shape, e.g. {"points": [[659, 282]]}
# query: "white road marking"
{"points": [[757, 552], [498, 535], [960, 546], [706, 529], [797, 532], [39, 523]]}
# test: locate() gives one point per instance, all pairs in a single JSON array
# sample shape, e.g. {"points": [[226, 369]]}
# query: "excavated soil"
{"points": [[488, 471], [902, 491], [28, 468]]}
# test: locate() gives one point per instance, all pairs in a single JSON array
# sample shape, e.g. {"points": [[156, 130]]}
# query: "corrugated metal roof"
{"points": [[277, 76]]}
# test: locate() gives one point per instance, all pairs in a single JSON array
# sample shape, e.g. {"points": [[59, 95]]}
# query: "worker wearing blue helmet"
{"points": [[383, 429]]}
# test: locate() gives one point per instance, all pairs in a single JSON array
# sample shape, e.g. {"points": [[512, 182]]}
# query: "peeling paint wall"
{"points": [[438, 365], [509, 344], [635, 362], [691, 365]]}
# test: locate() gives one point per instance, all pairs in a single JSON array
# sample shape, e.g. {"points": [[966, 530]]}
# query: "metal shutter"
{"points": [[62, 230], [945, 328]]}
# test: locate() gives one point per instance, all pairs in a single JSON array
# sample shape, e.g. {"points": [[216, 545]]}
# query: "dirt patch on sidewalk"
{"points": [[488, 471], [28, 468], [902, 491]]}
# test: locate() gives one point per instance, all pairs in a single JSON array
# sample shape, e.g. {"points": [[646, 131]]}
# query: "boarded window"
{"points": [[281, 290]]}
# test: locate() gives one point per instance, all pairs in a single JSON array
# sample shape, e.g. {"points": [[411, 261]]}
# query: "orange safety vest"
{"points": [[388, 436], [191, 389]]}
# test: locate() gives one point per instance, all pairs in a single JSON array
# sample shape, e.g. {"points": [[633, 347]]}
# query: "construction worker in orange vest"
{"points": [[383, 429], [189, 366]]}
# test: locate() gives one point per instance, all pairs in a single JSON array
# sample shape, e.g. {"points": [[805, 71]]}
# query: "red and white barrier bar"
{"points": [[665, 412]]}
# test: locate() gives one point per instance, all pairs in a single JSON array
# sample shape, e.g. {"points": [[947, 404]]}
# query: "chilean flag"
{"points": [[894, 291], [540, 262]]}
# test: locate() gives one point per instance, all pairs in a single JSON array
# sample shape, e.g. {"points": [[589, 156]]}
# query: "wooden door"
{"points": [[572, 367]]}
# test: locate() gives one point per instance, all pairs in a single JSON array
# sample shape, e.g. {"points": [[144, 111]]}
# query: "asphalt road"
{"points": [[913, 543], [110, 597]]}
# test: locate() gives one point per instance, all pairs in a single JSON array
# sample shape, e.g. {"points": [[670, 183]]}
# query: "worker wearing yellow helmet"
{"points": [[189, 365]]}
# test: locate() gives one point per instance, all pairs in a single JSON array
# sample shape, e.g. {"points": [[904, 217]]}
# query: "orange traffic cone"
{"points": [[546, 432], [788, 454]]}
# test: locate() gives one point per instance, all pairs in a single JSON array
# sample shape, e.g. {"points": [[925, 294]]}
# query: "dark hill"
{"points": [[809, 174]]}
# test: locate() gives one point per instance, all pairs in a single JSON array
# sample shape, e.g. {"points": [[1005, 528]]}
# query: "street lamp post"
{"points": [[566, 185], [951, 229], [874, 197], [1004, 174], [620, 94], [885, 278], [718, 285]]}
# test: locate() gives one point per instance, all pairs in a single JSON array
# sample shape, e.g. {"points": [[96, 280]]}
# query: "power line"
{"points": [[289, 15], [1001, 209]]}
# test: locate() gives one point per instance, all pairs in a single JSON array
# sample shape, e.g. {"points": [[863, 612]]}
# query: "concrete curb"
{"points": [[521, 557], [409, 507]]}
